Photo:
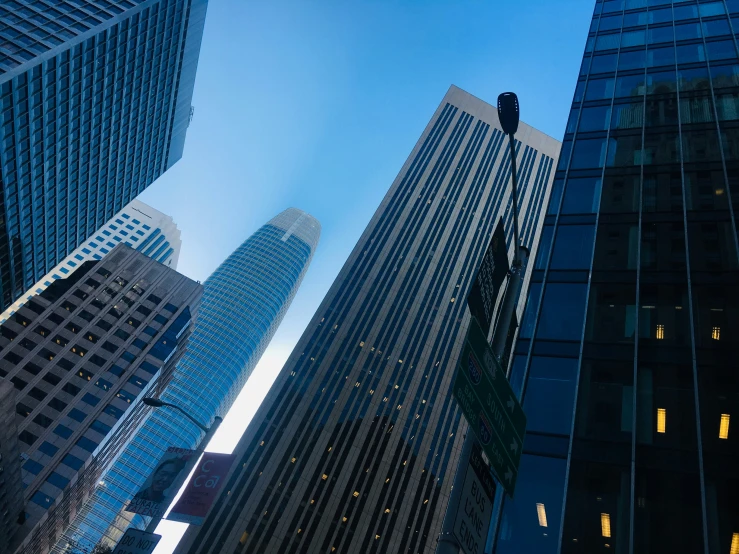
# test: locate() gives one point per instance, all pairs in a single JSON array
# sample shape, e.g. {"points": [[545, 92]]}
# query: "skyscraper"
{"points": [[629, 343], [244, 302], [80, 355], [355, 445], [137, 225], [11, 488], [94, 105]]}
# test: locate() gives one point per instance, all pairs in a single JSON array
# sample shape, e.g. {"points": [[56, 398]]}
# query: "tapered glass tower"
{"points": [[244, 301], [630, 339]]}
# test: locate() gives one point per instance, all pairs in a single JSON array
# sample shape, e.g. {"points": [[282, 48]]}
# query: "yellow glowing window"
{"points": [[734, 544], [605, 525], [425, 501], [356, 494], [293, 460], [243, 538], [377, 537], [312, 500], [324, 476], [387, 480], [300, 531], [542, 514], [661, 420], [716, 333], [387, 510], [343, 519], [660, 332], [361, 344], [723, 430]]}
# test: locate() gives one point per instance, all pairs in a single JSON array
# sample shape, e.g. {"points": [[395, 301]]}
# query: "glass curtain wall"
{"points": [[626, 359]]}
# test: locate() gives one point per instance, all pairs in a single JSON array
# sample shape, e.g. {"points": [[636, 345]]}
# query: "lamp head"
{"points": [[153, 402], [508, 112]]}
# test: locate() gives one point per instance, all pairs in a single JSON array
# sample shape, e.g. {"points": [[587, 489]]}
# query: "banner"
{"points": [[487, 285], [202, 490], [160, 488]]}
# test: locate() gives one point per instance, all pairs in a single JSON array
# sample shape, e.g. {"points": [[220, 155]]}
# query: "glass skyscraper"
{"points": [[244, 301], [94, 105], [355, 445], [630, 338]]}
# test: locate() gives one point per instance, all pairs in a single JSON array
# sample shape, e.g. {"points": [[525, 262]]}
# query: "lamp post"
{"points": [[508, 114], [183, 475]]}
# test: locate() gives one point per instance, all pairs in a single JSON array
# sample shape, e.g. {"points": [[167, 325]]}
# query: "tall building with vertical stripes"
{"points": [[137, 225], [626, 358], [355, 445]]}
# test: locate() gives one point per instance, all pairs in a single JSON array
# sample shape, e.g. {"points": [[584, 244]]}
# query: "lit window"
{"points": [[356, 494], [734, 544], [660, 332], [716, 333], [723, 430], [293, 460], [661, 420], [542, 513], [324, 477], [605, 525]]}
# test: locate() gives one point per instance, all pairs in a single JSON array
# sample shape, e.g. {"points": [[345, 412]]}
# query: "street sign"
{"points": [[135, 541], [475, 508], [490, 406], [489, 280]]}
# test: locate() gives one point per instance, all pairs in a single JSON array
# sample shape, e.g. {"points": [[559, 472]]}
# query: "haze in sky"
{"points": [[317, 104]]}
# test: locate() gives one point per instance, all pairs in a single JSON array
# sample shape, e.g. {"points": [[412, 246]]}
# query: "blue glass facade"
{"points": [[626, 356], [244, 301], [94, 105]]}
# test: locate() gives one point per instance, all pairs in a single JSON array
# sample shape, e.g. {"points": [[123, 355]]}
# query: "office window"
{"points": [[63, 431], [550, 395], [72, 461], [48, 448], [573, 247]]}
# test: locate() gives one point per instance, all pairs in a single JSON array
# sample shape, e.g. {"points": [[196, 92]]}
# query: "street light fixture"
{"points": [[209, 432]]}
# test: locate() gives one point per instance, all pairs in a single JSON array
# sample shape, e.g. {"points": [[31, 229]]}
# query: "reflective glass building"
{"points": [[355, 445], [94, 105], [630, 338], [243, 303]]}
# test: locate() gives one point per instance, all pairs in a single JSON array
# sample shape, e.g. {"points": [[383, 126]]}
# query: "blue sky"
{"points": [[317, 104]]}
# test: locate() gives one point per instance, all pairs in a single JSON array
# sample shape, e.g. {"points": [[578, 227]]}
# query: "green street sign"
{"points": [[490, 406]]}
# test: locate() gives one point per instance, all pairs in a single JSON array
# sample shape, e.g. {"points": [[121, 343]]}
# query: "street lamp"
{"points": [[183, 475], [508, 115]]}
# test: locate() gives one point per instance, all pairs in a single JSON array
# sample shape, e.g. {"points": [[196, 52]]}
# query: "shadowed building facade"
{"points": [[354, 447], [629, 342]]}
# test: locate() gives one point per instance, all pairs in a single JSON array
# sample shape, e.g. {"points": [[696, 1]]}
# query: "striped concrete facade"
{"points": [[354, 447]]}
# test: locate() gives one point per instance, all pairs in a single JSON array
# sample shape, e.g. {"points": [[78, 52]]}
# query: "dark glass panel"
{"points": [[634, 19], [630, 85], [685, 12], [661, 148], [593, 119], [628, 116], [610, 22], [706, 190], [696, 110], [662, 192], [711, 8], [529, 317], [625, 150], [633, 38], [664, 55], [661, 110], [616, 247], [579, 90], [562, 311], [724, 76], [611, 313], [663, 246], [604, 63], [550, 394], [620, 193], [588, 153], [687, 31], [712, 246], [555, 196], [716, 312], [582, 196], [573, 247], [545, 245], [657, 35], [716, 28], [662, 15], [721, 50], [609, 41], [605, 403], [632, 60], [564, 154], [663, 315], [662, 82], [700, 145], [730, 143], [727, 106], [515, 378], [694, 79], [541, 482], [572, 120]]}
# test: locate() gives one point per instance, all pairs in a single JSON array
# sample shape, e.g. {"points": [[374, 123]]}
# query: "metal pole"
{"points": [[447, 543], [155, 521]]}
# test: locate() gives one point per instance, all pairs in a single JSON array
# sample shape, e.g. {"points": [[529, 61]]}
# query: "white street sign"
{"points": [[135, 541], [472, 521]]}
